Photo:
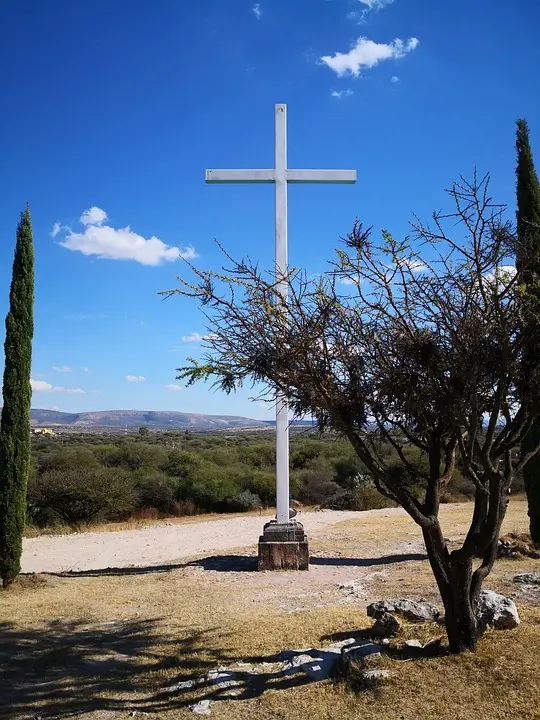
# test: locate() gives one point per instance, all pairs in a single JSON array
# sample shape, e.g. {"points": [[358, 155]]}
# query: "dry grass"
{"points": [[134, 523], [100, 645]]}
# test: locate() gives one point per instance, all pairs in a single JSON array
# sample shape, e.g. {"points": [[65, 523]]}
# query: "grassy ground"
{"points": [[102, 645]]}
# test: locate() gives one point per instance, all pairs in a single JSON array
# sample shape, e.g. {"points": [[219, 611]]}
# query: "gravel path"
{"points": [[159, 544]]}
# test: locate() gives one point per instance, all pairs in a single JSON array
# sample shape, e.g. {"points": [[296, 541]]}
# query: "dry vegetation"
{"points": [[101, 645]]}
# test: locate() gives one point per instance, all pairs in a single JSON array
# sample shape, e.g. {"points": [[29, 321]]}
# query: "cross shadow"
{"points": [[67, 668], [369, 562], [240, 563]]}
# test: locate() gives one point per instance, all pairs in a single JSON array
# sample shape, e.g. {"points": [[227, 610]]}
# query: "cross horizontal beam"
{"points": [[238, 176], [321, 176], [292, 176]]}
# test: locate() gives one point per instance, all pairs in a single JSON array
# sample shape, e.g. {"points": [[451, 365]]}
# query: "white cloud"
{"points": [[61, 368], [43, 386], [174, 388], [194, 337], [350, 281], [411, 265], [256, 10], [40, 385], [369, 6], [376, 4], [394, 79], [340, 94], [135, 378], [93, 216], [56, 229], [109, 243], [85, 369], [367, 54], [502, 274]]}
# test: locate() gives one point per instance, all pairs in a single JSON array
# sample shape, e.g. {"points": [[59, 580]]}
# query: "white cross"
{"points": [[281, 176]]}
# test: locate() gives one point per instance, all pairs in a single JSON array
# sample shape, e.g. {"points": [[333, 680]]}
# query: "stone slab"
{"points": [[287, 555]]}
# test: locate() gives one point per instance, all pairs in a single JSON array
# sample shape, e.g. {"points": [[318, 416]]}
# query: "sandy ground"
{"points": [[161, 544]]}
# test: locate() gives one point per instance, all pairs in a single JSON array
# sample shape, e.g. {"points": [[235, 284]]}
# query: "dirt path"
{"points": [[161, 543]]}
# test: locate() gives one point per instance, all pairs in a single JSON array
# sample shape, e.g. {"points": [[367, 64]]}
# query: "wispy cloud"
{"points": [[135, 378], [196, 337], [56, 229], [257, 11], [368, 6], [61, 368], [86, 316], [109, 243], [367, 54], [340, 94], [85, 369], [174, 388], [394, 79], [350, 280], [43, 386]]}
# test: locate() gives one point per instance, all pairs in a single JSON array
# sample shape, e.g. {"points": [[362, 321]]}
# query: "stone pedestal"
{"points": [[283, 547]]}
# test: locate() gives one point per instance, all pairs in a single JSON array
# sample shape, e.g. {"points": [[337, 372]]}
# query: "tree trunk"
{"points": [[460, 613], [454, 579]]}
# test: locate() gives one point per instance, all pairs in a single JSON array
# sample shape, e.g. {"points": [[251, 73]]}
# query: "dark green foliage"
{"points": [[79, 496], [528, 258], [173, 474], [17, 394], [157, 490], [245, 501]]}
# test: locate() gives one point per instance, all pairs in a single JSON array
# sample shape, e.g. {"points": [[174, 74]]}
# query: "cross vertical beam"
{"points": [[282, 406]]}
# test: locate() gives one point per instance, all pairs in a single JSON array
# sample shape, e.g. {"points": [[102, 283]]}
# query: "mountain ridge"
{"points": [[157, 419]]}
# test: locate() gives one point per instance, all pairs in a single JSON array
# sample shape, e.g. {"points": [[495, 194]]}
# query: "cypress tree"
{"points": [[528, 261], [17, 394]]}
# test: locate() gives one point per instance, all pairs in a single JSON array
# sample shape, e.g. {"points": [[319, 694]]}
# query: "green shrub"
{"points": [[68, 458], [134, 455], [244, 501], [156, 490], [83, 495]]}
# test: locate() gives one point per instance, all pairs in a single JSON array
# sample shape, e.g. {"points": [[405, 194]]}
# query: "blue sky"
{"points": [[113, 109]]}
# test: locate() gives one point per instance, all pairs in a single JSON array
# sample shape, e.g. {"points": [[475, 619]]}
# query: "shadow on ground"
{"points": [[66, 668], [240, 563]]}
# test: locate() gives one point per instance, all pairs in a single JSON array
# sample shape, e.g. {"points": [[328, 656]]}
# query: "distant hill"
{"points": [[157, 419]]}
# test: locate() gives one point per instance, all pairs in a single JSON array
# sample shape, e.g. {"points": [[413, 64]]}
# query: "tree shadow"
{"points": [[239, 563], [66, 668]]}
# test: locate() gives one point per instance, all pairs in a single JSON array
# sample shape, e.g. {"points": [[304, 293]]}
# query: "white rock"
{"points": [[496, 611], [359, 652], [410, 609], [532, 578], [413, 644], [185, 685], [375, 674], [201, 708]]}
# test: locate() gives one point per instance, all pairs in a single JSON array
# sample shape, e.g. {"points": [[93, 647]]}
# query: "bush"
{"points": [[245, 501], [317, 488], [156, 490], [363, 496], [83, 495], [134, 456]]}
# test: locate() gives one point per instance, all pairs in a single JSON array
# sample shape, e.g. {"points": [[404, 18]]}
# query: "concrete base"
{"points": [[283, 547]]}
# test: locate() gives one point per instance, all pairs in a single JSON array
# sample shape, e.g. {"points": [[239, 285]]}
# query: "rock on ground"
{"points": [[201, 708], [532, 578], [409, 609], [386, 625], [496, 611]]}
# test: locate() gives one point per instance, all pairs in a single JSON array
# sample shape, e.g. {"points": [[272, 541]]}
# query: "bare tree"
{"points": [[412, 343]]}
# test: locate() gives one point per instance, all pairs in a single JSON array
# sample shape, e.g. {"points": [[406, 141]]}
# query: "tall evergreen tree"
{"points": [[15, 421], [528, 259]]}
